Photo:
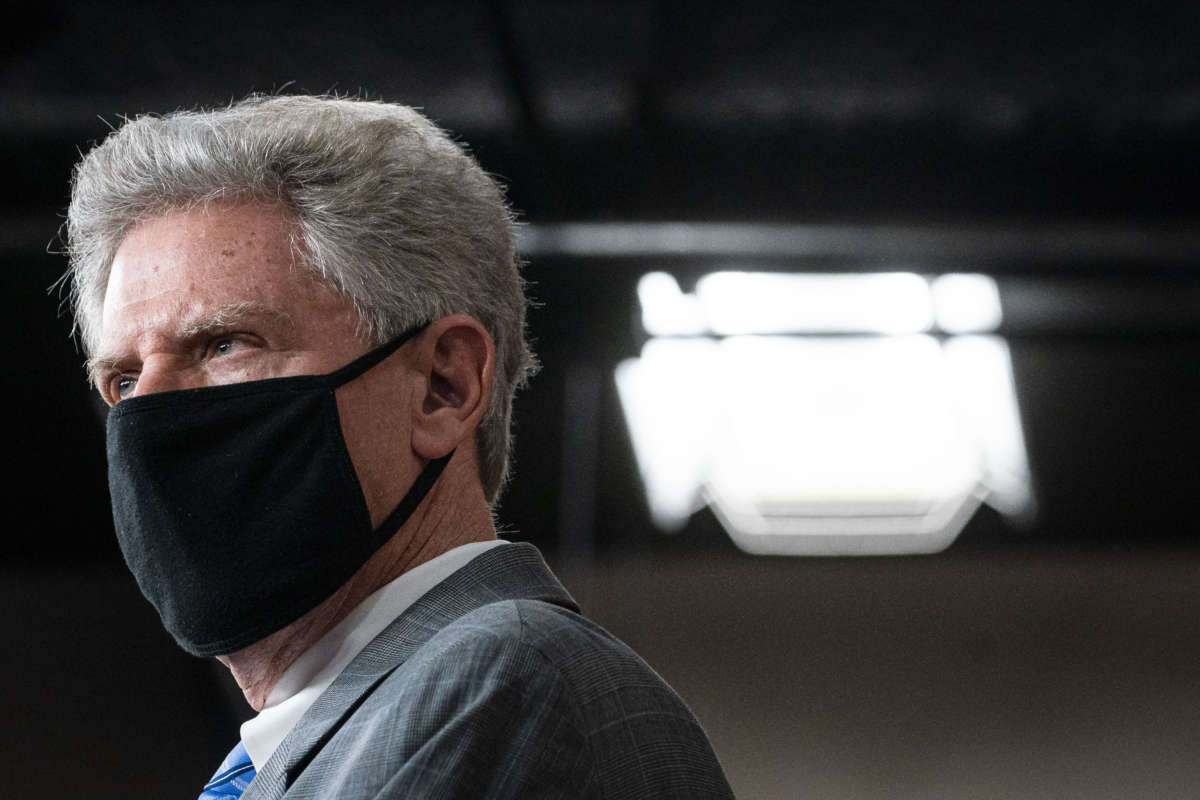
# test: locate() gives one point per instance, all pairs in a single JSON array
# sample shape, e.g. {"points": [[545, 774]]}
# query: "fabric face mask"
{"points": [[237, 507]]}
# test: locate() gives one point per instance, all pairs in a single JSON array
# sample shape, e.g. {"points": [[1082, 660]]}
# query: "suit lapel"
{"points": [[508, 572]]}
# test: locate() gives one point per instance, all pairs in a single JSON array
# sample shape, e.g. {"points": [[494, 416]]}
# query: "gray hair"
{"points": [[388, 210]]}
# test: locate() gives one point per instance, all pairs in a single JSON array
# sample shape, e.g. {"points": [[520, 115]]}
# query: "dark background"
{"points": [[1055, 146]]}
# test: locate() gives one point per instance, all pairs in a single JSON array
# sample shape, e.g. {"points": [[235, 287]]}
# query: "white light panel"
{"points": [[666, 310], [764, 302], [824, 444], [967, 303]]}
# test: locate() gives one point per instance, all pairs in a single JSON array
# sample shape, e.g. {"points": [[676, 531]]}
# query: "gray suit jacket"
{"points": [[492, 685]]}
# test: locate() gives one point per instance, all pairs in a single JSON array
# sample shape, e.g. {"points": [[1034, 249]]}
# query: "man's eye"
{"points": [[123, 386], [223, 347]]}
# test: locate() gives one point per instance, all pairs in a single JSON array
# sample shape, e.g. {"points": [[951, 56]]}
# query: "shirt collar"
{"points": [[312, 673]]}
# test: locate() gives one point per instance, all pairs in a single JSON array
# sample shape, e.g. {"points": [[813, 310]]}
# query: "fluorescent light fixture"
{"points": [[818, 444], [764, 302], [734, 303], [666, 310], [843, 446], [668, 402], [980, 373], [967, 303]]}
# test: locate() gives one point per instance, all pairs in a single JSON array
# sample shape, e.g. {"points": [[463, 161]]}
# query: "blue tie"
{"points": [[232, 777]]}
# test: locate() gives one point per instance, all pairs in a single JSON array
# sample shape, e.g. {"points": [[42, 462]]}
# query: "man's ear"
{"points": [[456, 356]]}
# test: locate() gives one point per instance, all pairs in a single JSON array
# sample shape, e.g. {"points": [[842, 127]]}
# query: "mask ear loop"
{"points": [[432, 471], [413, 497], [358, 366]]}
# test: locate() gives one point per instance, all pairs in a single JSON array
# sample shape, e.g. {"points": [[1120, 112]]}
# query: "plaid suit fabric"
{"points": [[493, 686]]}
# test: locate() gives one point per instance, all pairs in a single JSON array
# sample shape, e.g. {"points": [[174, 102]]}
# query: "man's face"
{"points": [[212, 296]]}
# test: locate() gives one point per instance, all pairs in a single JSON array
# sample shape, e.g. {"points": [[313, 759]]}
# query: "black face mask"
{"points": [[237, 507]]}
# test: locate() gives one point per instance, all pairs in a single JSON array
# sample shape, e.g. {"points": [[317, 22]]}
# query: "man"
{"points": [[307, 317]]}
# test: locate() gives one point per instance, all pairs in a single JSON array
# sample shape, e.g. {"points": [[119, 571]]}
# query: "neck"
{"points": [[453, 514]]}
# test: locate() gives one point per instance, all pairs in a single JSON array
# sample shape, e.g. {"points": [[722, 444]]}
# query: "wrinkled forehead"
{"points": [[191, 267]]}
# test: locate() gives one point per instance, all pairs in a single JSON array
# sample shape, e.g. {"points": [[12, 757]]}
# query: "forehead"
{"points": [[244, 245], [183, 263]]}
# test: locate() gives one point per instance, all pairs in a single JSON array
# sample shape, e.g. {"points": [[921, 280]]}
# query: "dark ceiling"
{"points": [[673, 109]]}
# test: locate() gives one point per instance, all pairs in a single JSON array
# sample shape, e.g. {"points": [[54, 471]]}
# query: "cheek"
{"points": [[377, 433]]}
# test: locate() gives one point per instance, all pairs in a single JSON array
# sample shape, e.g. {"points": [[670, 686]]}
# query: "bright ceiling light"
{"points": [[670, 437], [842, 446], [980, 372], [666, 310], [824, 444], [764, 302], [967, 303]]}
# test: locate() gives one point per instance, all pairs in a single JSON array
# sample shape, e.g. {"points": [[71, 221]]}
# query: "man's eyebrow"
{"points": [[96, 365], [231, 315], [223, 317]]}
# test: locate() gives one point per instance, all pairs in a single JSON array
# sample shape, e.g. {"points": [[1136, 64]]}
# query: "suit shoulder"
{"points": [[643, 739], [533, 644], [582, 652]]}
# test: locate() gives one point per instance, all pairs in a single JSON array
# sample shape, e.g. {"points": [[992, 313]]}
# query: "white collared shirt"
{"points": [[310, 675]]}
